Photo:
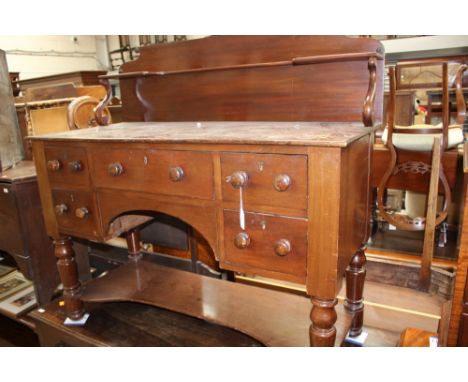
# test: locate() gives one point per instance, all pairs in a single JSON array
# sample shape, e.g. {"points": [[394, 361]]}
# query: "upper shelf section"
{"points": [[255, 78], [275, 133], [226, 51]]}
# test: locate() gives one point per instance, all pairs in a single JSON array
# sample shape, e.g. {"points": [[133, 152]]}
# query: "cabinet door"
{"points": [[10, 233]]}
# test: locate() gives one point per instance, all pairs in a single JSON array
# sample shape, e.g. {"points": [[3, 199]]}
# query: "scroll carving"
{"points": [[101, 118], [147, 105], [368, 111]]}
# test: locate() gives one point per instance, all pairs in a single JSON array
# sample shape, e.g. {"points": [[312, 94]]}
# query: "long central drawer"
{"points": [[181, 173]]}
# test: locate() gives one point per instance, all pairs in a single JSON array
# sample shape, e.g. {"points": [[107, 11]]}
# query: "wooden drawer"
{"points": [[76, 212], [263, 170], [181, 173], [264, 233], [67, 166]]}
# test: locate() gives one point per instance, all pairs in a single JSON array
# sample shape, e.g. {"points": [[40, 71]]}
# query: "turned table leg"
{"points": [[323, 316], [68, 272], [355, 275], [133, 244]]}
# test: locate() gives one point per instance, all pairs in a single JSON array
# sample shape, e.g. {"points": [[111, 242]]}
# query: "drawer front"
{"points": [[76, 212], [67, 166], [266, 246], [272, 180], [181, 173]]}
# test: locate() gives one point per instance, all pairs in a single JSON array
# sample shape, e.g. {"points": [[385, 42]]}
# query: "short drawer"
{"points": [[180, 173], [271, 179], [76, 212], [277, 244], [67, 166]]}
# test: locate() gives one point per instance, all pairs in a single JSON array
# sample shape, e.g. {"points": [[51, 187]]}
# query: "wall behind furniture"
{"points": [[37, 56], [424, 43]]}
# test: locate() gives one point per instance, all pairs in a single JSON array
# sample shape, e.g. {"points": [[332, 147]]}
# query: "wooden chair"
{"points": [[81, 113], [409, 142], [56, 108]]}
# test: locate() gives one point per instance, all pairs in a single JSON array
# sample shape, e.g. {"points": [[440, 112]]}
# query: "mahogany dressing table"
{"points": [[286, 198]]}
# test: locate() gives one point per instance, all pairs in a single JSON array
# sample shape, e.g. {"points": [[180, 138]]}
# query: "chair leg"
{"points": [[355, 275], [442, 235], [429, 233]]}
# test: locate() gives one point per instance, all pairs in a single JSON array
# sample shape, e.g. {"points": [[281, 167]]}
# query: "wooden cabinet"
{"points": [[281, 235], [458, 330], [241, 138], [22, 229]]}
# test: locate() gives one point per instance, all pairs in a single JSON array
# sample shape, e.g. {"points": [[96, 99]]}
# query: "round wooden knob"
{"points": [[176, 174], [115, 169], [238, 179], [242, 240], [75, 166], [53, 165], [282, 182], [60, 209], [282, 247], [82, 213]]}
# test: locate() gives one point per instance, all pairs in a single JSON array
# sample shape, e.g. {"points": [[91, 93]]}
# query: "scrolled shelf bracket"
{"points": [[368, 110], [101, 117]]}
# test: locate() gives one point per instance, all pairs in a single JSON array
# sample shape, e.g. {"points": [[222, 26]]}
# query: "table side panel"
{"points": [[355, 200], [324, 167]]}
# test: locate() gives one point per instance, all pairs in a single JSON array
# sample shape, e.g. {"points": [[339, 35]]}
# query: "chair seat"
{"points": [[422, 142]]}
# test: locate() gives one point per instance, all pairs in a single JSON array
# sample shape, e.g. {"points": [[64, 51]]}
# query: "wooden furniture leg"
{"points": [[133, 244], [323, 316], [68, 272], [431, 214], [355, 276]]}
